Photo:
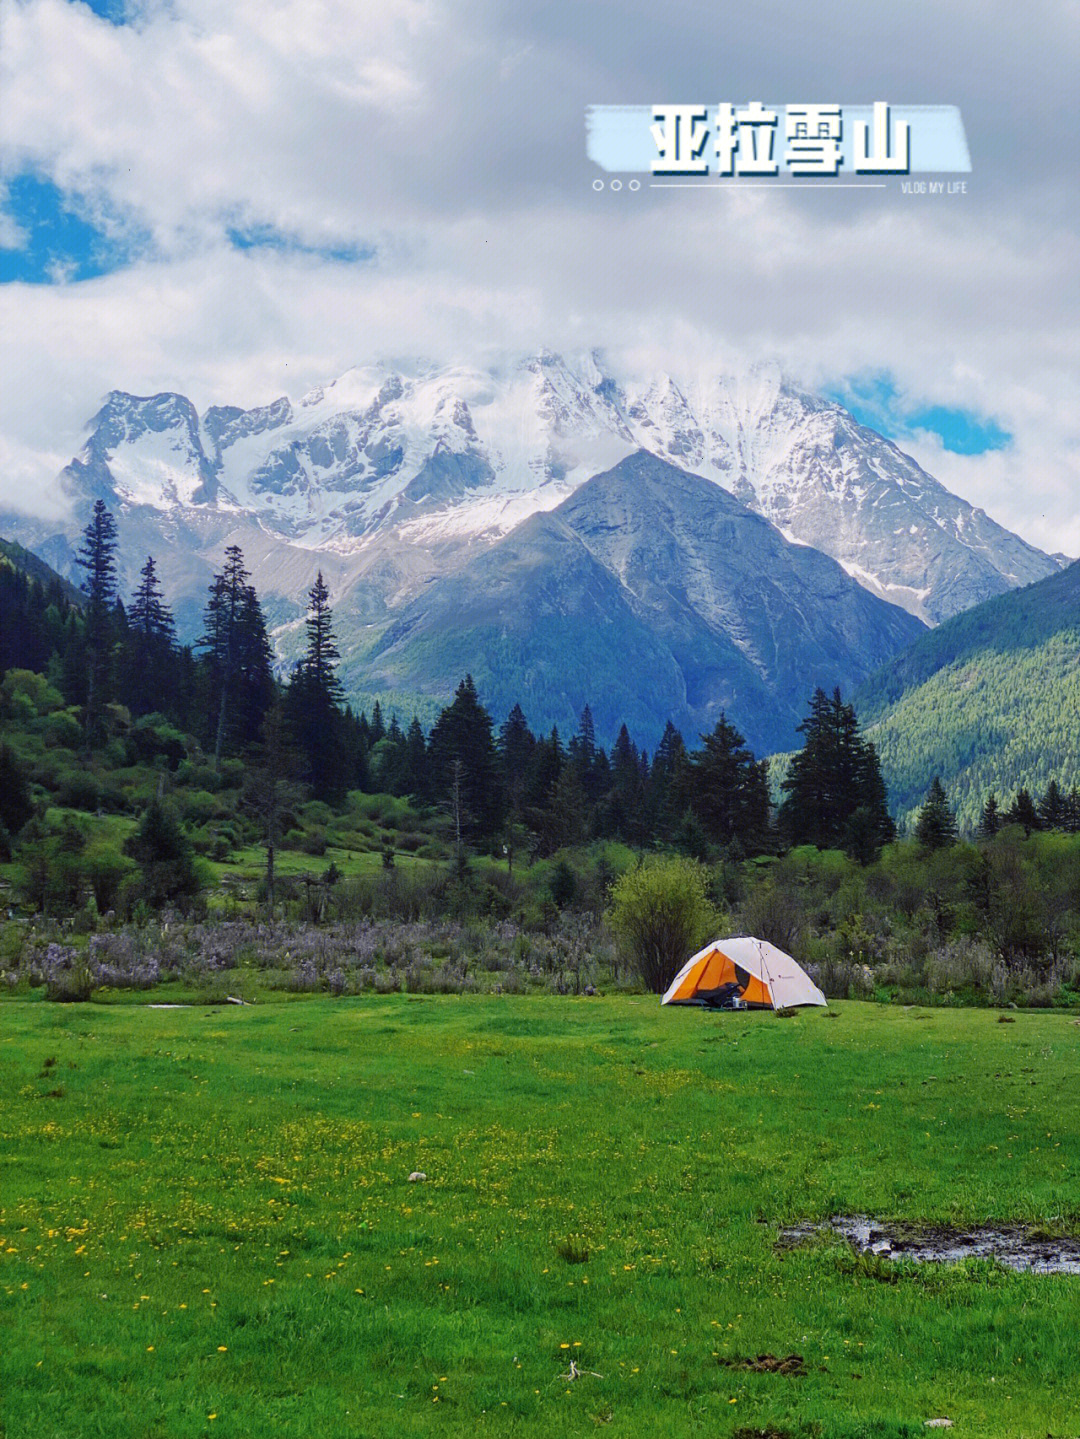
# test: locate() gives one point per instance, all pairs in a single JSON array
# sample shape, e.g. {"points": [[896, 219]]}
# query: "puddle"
{"points": [[1015, 1246]]}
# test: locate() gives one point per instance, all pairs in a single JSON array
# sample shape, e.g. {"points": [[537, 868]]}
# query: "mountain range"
{"points": [[435, 498]]}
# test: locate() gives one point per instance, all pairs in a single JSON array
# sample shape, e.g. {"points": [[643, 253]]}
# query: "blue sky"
{"points": [[876, 401], [61, 244]]}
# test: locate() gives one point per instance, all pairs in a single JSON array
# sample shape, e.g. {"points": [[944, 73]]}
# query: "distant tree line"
{"points": [[507, 789], [936, 827]]}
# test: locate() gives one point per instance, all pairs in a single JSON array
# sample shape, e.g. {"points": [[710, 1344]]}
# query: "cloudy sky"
{"points": [[238, 200]]}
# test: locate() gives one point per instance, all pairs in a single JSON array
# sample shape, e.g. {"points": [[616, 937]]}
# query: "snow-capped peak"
{"points": [[431, 453]]}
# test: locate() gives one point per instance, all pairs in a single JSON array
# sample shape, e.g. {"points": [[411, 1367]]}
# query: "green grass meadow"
{"points": [[208, 1227]]}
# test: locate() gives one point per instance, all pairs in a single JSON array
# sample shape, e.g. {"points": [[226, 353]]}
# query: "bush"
{"points": [[62, 730], [77, 789], [106, 870], [661, 914], [25, 695], [153, 735]]}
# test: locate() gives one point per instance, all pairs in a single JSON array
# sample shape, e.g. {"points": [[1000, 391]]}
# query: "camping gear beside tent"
{"points": [[743, 973]]}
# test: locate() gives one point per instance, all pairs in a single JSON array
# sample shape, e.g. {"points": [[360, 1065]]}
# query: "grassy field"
{"points": [[209, 1230]]}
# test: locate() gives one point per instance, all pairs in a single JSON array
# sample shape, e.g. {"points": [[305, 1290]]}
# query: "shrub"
{"points": [[62, 730], [661, 913], [25, 694], [77, 789], [106, 869], [153, 735]]}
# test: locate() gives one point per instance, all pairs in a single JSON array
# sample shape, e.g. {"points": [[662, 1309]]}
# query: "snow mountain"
{"points": [[395, 478], [649, 594]]}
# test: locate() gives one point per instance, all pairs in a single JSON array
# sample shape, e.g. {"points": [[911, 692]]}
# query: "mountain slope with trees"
{"points": [[989, 701]]}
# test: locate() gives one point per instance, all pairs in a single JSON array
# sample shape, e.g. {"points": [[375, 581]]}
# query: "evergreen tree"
{"points": [[1022, 811], [16, 804], [548, 758], [322, 657], [935, 827], [313, 702], [835, 774], [239, 655], [271, 789], [990, 822], [1053, 808], [517, 745], [584, 757], [97, 556], [670, 784], [414, 772], [149, 671], [163, 853], [464, 763], [34, 620], [730, 793], [625, 808], [565, 819]]}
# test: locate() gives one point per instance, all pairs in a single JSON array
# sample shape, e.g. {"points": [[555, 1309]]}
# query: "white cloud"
{"points": [[450, 140]]}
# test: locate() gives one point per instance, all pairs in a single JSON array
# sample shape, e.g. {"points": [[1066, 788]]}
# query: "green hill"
{"points": [[990, 701], [13, 556]]}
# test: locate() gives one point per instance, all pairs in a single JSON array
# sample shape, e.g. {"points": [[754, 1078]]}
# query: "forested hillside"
{"points": [[182, 815], [990, 701]]}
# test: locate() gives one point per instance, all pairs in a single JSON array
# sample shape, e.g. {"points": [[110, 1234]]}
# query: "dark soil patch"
{"points": [[769, 1433], [791, 1364]]}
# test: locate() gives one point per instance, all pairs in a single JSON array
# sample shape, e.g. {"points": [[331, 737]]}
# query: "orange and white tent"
{"points": [[751, 971]]}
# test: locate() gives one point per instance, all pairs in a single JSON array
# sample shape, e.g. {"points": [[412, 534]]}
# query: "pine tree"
{"points": [[239, 654], [625, 809], [97, 556], [990, 821], [414, 773], [670, 784], [223, 621], [16, 804], [1022, 811], [314, 697], [1053, 808], [935, 827], [150, 647], [730, 792], [462, 759], [834, 775], [271, 788], [322, 657], [163, 852], [517, 745], [584, 756]]}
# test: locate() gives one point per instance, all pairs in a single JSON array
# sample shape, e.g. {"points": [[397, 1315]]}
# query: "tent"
{"points": [[743, 972]]}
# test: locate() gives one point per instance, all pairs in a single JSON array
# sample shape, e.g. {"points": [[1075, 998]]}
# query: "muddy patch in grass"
{"points": [[792, 1365], [1017, 1246]]}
